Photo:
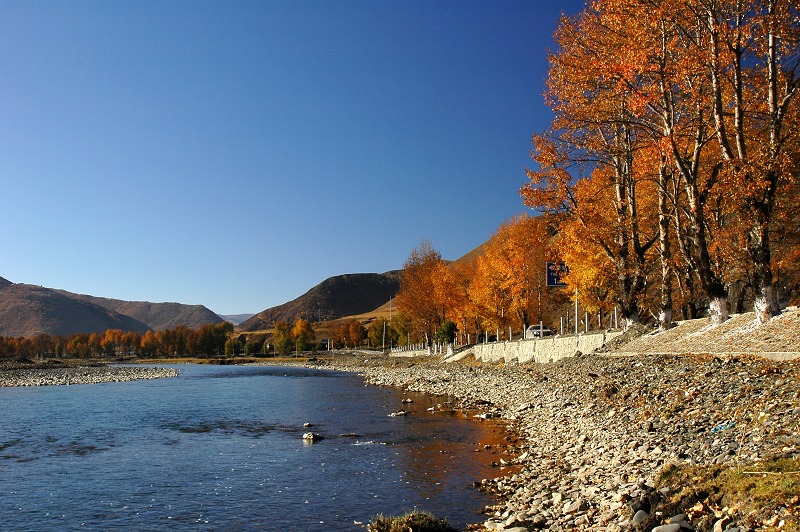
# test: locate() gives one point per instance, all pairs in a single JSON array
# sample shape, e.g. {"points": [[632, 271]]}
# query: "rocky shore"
{"points": [[597, 430], [66, 375]]}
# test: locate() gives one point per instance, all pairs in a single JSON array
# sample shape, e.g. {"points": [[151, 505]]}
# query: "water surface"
{"points": [[220, 447]]}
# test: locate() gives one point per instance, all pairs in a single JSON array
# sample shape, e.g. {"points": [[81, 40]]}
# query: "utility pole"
{"points": [[576, 311], [539, 293]]}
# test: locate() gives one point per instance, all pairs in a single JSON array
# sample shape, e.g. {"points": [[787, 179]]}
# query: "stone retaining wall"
{"points": [[548, 349], [543, 350]]}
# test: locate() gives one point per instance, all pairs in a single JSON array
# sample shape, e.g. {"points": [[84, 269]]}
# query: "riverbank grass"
{"points": [[415, 521], [767, 493]]}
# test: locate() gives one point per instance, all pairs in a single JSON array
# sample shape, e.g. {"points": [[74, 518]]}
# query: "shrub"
{"points": [[415, 521]]}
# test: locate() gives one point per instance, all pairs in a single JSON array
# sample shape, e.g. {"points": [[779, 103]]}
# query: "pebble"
{"points": [[672, 527], [81, 375]]}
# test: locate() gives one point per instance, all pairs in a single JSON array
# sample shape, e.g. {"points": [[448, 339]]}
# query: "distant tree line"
{"points": [[350, 334], [287, 337], [207, 340], [504, 287]]}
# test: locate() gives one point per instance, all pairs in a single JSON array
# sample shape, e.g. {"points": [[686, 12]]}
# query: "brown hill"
{"points": [[343, 298], [333, 298], [156, 316], [28, 310], [387, 309]]}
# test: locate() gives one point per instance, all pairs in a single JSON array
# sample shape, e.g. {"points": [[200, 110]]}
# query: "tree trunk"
{"points": [[632, 317], [764, 301], [691, 310], [718, 309], [709, 279], [665, 312]]}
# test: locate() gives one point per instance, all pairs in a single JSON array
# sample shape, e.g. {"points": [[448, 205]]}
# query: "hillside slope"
{"points": [[156, 316], [335, 297], [28, 310]]}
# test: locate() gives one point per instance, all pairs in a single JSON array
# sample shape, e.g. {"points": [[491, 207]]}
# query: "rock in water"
{"points": [[311, 437]]}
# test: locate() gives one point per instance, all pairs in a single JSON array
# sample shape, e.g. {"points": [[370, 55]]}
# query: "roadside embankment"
{"points": [[542, 350], [50, 376]]}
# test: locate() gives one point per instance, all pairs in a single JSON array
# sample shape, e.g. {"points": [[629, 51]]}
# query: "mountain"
{"points": [[335, 297], [236, 319], [28, 310], [156, 316]]}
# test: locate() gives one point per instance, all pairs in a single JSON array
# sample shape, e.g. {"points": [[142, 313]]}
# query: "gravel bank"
{"points": [[598, 429], [80, 375]]}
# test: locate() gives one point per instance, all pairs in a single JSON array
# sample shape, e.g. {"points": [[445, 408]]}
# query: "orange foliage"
{"points": [[426, 290], [509, 279], [708, 88]]}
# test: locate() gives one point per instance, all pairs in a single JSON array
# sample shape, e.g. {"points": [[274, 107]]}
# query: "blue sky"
{"points": [[235, 154]]}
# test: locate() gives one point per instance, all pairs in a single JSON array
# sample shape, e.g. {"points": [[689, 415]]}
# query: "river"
{"points": [[221, 448]]}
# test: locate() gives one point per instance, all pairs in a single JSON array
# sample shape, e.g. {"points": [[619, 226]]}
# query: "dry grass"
{"points": [[415, 521], [764, 495]]}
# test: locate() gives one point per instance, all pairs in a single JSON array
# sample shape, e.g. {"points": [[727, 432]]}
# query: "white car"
{"points": [[534, 331]]}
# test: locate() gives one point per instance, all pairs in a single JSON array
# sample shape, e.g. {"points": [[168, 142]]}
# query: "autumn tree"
{"points": [[751, 58], [701, 94], [785, 238], [595, 133], [425, 290], [466, 310], [509, 280], [661, 70], [350, 334], [491, 299], [401, 329], [302, 333], [282, 337], [356, 334], [580, 245], [728, 73]]}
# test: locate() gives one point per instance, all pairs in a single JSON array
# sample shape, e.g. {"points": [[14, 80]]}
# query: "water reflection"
{"points": [[435, 452]]}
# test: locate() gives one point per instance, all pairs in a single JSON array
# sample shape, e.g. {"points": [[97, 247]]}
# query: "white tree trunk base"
{"points": [[664, 320], [632, 320], [765, 305], [718, 310]]}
